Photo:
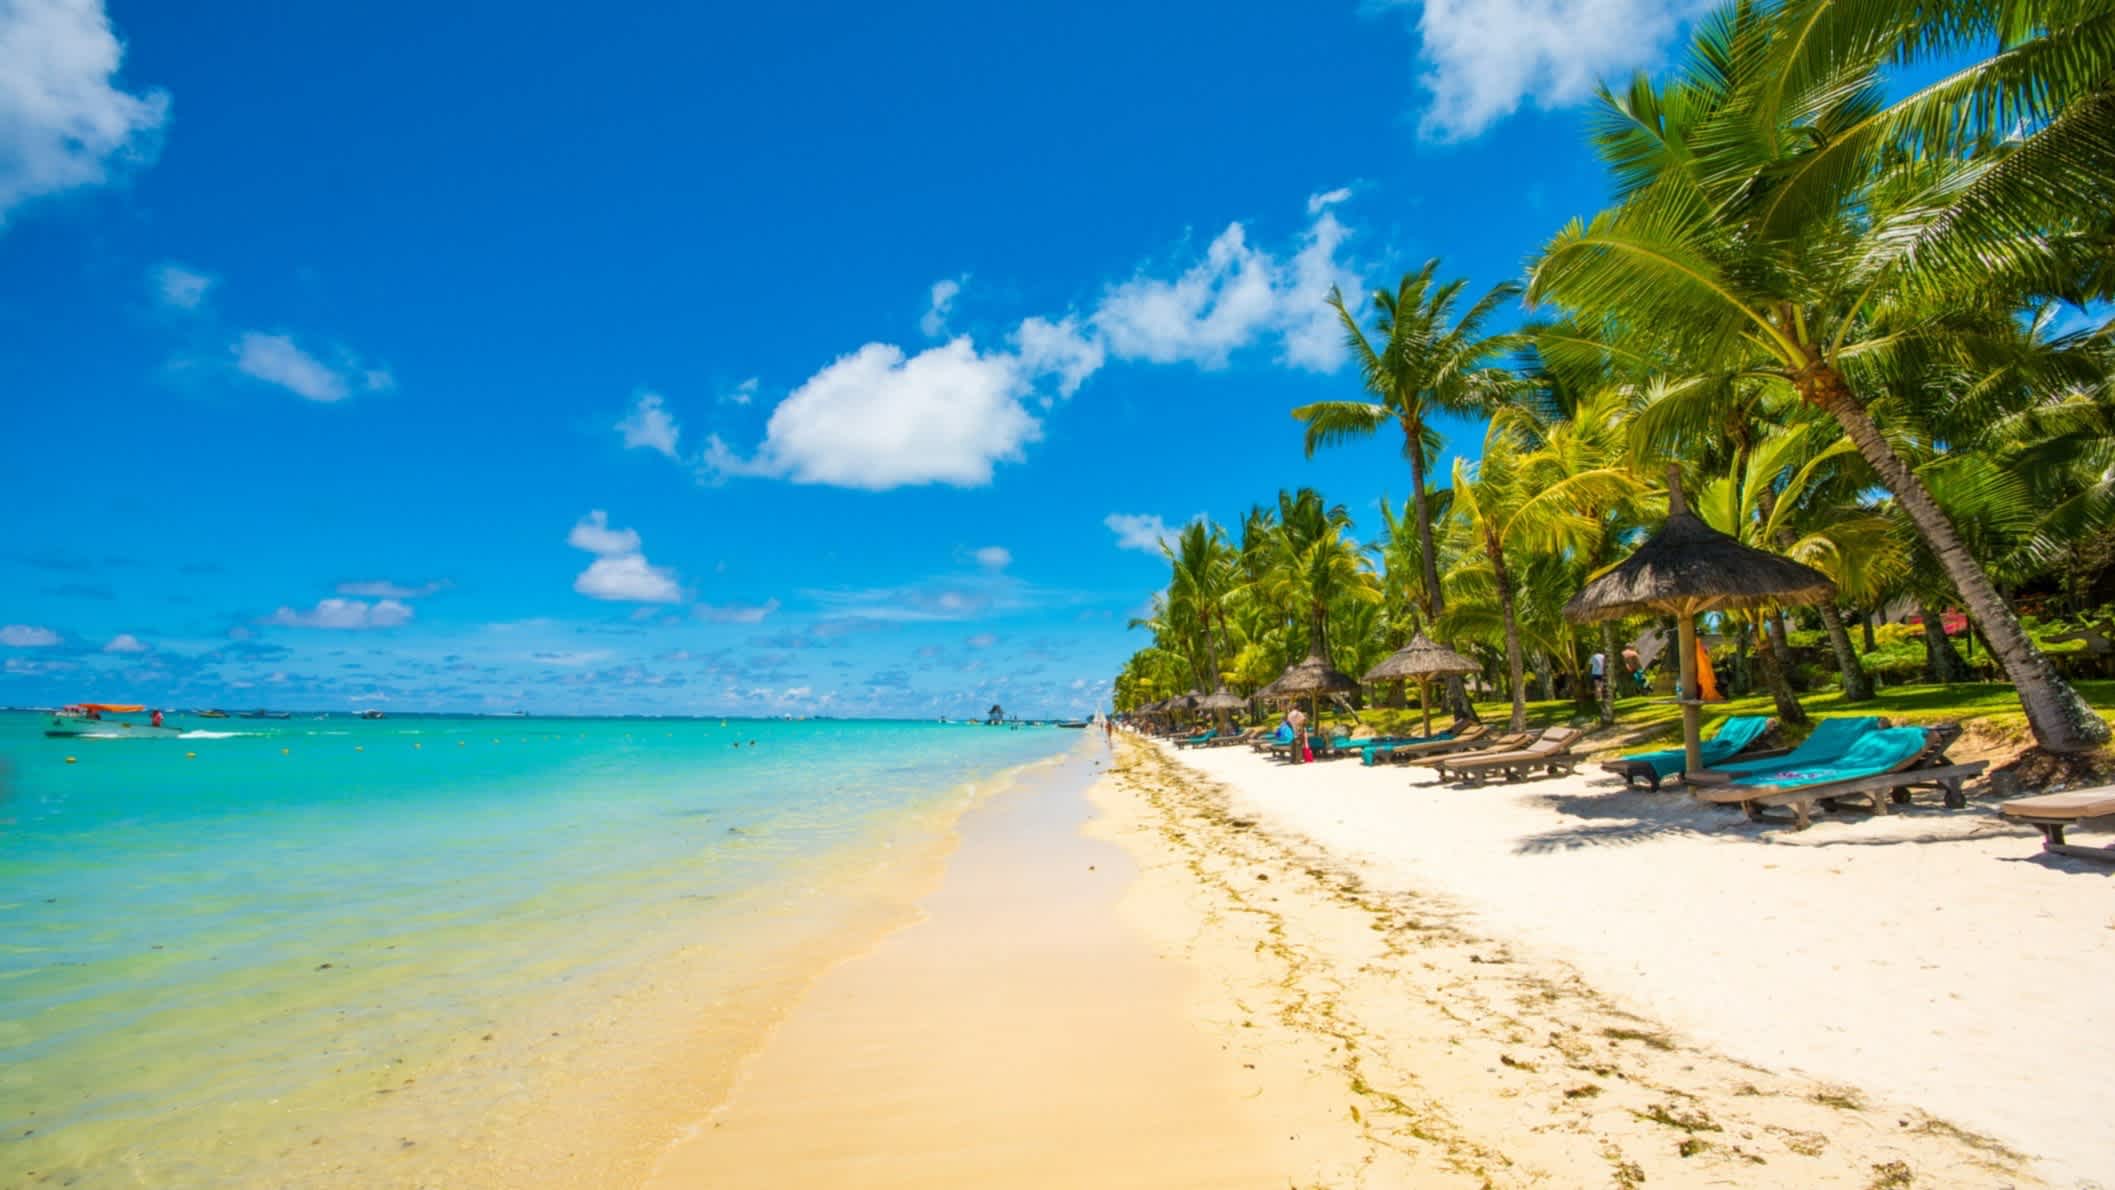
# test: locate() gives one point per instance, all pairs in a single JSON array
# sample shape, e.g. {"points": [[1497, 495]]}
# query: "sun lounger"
{"points": [[1737, 736], [1460, 736], [1282, 737], [2050, 813], [1827, 743], [1197, 741], [1881, 767], [1440, 753], [1550, 752]]}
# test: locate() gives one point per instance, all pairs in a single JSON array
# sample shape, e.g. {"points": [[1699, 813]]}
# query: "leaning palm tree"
{"points": [[1785, 219]]}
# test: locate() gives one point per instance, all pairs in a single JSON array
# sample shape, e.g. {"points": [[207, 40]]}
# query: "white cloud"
{"points": [[1482, 58], [629, 578], [27, 636], [649, 425], [63, 123], [934, 324], [179, 287], [1142, 532], [1317, 203], [876, 419], [125, 642], [1058, 349], [736, 613], [277, 359], [880, 418], [344, 613], [593, 534], [743, 393], [620, 571], [993, 557], [384, 589], [1237, 295], [982, 640]]}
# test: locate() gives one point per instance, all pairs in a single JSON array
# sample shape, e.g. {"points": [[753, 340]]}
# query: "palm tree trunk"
{"points": [[2060, 719], [1428, 560], [1865, 626], [1857, 684], [1515, 664], [1942, 662], [1773, 664]]}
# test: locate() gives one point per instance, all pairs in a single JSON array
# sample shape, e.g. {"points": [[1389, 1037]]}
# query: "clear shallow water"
{"points": [[212, 942]]}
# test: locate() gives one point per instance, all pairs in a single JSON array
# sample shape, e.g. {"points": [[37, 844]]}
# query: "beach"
{"points": [[1212, 971], [1929, 980]]}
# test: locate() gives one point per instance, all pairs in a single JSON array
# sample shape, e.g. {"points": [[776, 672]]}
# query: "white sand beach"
{"points": [[1931, 958]]}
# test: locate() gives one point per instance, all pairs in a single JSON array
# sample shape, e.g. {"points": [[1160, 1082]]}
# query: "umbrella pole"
{"points": [[1424, 701], [1685, 648]]}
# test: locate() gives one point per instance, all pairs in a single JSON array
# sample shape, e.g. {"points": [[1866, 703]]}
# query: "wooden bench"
{"points": [[2052, 812]]}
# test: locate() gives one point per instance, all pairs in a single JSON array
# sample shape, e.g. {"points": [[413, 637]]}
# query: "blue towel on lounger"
{"points": [[1876, 752], [1736, 733], [1375, 749], [1831, 739]]}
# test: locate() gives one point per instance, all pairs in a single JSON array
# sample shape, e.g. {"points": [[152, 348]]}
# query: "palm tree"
{"points": [[1203, 572], [1517, 500], [1426, 362], [1783, 219]]}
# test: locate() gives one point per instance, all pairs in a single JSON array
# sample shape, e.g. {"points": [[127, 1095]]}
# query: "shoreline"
{"points": [[1140, 983]]}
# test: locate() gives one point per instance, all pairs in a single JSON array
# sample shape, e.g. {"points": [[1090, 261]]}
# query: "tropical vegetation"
{"points": [[1854, 285]]}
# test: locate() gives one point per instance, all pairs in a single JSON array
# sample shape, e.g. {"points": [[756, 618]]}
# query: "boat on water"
{"points": [[210, 714], [263, 714], [371, 713], [102, 718], [1075, 724]]}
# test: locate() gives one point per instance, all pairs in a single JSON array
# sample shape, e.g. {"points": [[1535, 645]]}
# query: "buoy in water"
{"points": [[416, 744], [285, 751], [190, 756], [73, 760], [459, 743]]}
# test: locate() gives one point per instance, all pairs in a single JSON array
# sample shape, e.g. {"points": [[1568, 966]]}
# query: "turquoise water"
{"points": [[211, 942]]}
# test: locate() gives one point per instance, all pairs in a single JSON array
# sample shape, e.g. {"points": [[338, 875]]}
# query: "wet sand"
{"points": [[1021, 1034]]}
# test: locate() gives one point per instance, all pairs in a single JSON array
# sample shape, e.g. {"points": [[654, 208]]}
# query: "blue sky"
{"points": [[831, 359]]}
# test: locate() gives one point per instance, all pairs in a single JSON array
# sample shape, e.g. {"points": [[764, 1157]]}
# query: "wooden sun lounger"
{"points": [[1552, 752], [1634, 771], [1466, 736], [1445, 751], [1879, 791], [2050, 813]]}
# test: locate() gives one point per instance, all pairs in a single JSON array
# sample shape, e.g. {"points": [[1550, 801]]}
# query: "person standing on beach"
{"points": [[1297, 720]]}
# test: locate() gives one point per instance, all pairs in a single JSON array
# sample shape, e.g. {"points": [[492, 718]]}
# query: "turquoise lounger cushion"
{"points": [[1876, 752], [1375, 749], [1737, 732], [1831, 739]]}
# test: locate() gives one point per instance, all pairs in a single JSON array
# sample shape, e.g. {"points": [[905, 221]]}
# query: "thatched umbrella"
{"points": [[1310, 679], [1221, 701], [1421, 660], [1686, 568]]}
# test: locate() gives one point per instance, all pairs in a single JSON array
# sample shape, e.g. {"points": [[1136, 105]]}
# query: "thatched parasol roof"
{"points": [[1421, 658], [1221, 699], [1312, 676], [1689, 567]]}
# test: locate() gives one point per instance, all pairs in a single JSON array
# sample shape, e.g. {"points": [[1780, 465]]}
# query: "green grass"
{"points": [[1994, 706]]}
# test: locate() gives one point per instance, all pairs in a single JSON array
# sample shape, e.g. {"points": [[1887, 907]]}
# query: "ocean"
{"points": [[427, 950]]}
